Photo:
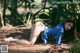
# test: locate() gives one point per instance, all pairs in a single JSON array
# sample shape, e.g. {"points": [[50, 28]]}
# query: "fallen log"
{"points": [[38, 48], [28, 48]]}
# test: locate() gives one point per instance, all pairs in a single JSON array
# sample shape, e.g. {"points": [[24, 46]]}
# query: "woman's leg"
{"points": [[21, 41], [37, 28]]}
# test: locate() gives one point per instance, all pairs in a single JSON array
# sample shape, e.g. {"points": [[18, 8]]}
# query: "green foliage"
{"points": [[78, 25], [52, 13], [76, 47], [46, 18]]}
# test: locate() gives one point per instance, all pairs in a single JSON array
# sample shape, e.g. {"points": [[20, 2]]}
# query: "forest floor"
{"points": [[37, 48]]}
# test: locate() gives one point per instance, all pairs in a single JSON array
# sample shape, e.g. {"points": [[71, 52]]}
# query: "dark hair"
{"points": [[67, 21]]}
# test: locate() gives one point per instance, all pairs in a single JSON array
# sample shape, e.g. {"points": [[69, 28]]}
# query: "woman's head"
{"points": [[68, 24]]}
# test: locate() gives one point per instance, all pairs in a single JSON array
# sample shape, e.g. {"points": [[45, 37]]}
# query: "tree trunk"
{"points": [[13, 10], [4, 10]]}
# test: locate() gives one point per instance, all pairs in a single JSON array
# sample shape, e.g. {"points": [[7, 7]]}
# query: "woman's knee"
{"points": [[38, 23]]}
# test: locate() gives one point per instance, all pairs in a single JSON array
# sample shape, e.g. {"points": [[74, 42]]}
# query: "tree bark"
{"points": [[4, 10]]}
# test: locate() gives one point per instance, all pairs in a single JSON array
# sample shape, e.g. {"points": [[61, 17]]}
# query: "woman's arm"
{"points": [[59, 37], [44, 37]]}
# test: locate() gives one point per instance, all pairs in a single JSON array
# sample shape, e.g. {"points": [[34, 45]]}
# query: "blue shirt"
{"points": [[56, 31]]}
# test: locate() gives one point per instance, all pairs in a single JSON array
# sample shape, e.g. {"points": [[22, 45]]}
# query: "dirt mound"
{"points": [[4, 31]]}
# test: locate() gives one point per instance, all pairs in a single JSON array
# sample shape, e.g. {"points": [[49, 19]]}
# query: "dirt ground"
{"points": [[37, 48]]}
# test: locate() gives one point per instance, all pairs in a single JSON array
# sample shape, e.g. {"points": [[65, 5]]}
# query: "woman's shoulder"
{"points": [[60, 27]]}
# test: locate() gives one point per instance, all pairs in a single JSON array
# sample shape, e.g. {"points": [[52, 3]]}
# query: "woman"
{"points": [[39, 27]]}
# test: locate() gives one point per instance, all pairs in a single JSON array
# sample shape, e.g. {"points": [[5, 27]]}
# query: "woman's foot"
{"points": [[8, 39]]}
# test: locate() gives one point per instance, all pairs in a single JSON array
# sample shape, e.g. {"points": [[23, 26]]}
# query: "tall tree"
{"points": [[4, 10]]}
